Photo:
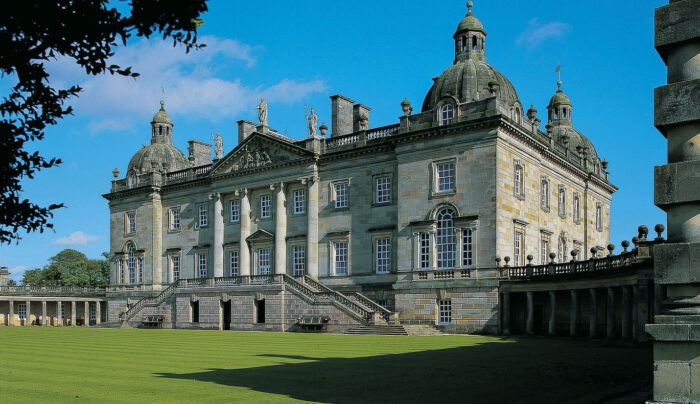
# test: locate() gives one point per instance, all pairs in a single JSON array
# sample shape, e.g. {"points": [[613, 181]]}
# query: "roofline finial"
{"points": [[559, 82], [470, 4], [162, 96]]}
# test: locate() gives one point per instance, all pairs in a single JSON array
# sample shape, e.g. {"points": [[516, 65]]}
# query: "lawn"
{"points": [[129, 366]]}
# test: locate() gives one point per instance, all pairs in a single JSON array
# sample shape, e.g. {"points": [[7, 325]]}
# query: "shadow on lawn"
{"points": [[540, 371]]}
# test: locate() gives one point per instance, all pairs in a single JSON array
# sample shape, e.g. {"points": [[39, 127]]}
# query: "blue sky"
{"points": [[376, 53]]}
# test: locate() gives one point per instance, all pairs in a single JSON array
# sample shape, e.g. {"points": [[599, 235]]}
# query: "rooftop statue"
{"points": [[219, 146], [262, 111], [313, 122]]}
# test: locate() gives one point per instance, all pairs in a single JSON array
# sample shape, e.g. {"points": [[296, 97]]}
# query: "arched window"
{"points": [[474, 43], [131, 263], [447, 114], [562, 202], [561, 253], [445, 239], [464, 44], [577, 208], [131, 180], [517, 115], [518, 183], [544, 195]]}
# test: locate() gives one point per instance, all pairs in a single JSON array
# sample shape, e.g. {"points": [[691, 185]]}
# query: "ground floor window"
{"points": [[383, 255], [298, 260], [445, 311], [341, 258], [22, 311], [264, 261]]}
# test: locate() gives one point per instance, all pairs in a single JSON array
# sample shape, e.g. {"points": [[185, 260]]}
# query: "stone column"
{"points": [[552, 312], [218, 235], [530, 322], [98, 310], [416, 251], [59, 316], [11, 317], [593, 325], [245, 232], [312, 229], [626, 308], [458, 249], [573, 314], [29, 313], [677, 191], [73, 314], [43, 314], [87, 314], [433, 249], [610, 313], [280, 231], [506, 313]]}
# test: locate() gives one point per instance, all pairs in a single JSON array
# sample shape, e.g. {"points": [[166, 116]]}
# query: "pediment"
{"points": [[260, 235], [260, 151]]}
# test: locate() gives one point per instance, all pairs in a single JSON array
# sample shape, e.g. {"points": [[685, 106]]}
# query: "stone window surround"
{"points": [[296, 241], [333, 197], [199, 251], [576, 209], [122, 269], [434, 190], [171, 227], [599, 216], [127, 222], [381, 234], [197, 221], [430, 227], [519, 226], [375, 179], [170, 253], [255, 247], [544, 180], [293, 190], [231, 203], [228, 249], [545, 236], [519, 187], [561, 204], [438, 111], [333, 239]]}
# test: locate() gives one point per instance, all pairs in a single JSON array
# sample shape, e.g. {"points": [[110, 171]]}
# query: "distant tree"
{"points": [[70, 268], [33, 32], [11, 282]]}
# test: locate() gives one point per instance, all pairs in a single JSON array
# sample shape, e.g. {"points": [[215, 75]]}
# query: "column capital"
{"points": [[241, 191], [310, 180], [215, 196]]}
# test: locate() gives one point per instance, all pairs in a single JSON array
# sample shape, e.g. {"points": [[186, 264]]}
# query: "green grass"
{"points": [[128, 366]]}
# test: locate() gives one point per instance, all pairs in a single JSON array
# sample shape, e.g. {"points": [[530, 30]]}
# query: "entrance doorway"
{"points": [[260, 311], [227, 315]]}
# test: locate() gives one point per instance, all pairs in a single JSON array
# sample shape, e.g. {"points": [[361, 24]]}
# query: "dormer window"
{"points": [[447, 114], [131, 180]]}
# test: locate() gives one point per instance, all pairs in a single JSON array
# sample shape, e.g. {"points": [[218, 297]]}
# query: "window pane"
{"points": [[265, 208], [424, 251], [445, 240], [175, 219], [446, 177], [264, 261], [445, 312], [235, 210], [341, 258], [341, 195], [518, 249], [467, 248], [299, 202], [202, 215], [234, 263], [202, 265], [175, 263], [299, 260], [383, 190], [383, 255]]}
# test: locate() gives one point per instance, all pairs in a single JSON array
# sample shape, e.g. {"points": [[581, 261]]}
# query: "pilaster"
{"points": [[312, 228], [245, 232], [280, 231]]}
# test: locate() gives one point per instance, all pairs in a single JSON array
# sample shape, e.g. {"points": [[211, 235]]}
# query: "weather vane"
{"points": [[558, 70], [162, 93]]}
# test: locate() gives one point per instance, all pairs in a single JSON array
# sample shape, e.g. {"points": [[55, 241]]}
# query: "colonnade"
{"points": [[280, 249], [612, 311], [19, 312]]}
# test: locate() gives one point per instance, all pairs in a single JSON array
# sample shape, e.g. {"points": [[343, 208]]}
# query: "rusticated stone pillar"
{"points": [[245, 232], [280, 231], [530, 323], [677, 191]]}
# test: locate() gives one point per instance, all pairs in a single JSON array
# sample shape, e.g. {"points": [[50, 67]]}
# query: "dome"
{"points": [[576, 140], [469, 23], [165, 156], [468, 80], [559, 97], [161, 116]]}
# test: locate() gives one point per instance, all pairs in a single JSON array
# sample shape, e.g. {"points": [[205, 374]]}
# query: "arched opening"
{"points": [[474, 43], [447, 114], [160, 130], [464, 44], [445, 240], [563, 113]]}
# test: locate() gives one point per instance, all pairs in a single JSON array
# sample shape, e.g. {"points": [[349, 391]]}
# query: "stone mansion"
{"points": [[412, 217]]}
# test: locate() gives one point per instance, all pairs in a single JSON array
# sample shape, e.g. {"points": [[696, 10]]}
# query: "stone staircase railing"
{"points": [[385, 313], [322, 293], [151, 301]]}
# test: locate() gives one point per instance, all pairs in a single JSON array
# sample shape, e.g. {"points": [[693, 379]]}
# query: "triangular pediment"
{"points": [[260, 235], [260, 151]]}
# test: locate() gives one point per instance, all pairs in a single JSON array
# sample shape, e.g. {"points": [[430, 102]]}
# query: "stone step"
{"points": [[422, 330], [378, 330]]}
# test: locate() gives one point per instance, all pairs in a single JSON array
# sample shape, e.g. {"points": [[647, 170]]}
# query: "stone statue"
{"points": [[219, 146], [313, 122], [262, 111]]}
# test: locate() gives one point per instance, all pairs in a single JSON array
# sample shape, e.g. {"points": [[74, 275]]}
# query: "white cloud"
{"points": [[75, 238], [195, 83], [536, 33]]}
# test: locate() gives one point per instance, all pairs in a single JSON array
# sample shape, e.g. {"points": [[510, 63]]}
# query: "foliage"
{"points": [[70, 268], [33, 32]]}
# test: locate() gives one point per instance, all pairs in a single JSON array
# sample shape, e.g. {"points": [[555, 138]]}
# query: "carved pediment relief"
{"points": [[259, 151], [260, 236]]}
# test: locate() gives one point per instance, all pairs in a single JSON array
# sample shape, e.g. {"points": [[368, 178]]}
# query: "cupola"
{"points": [[470, 38], [559, 108], [161, 126]]}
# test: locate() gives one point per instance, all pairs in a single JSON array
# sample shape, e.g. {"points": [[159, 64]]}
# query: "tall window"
{"points": [[445, 312], [544, 195], [424, 251], [599, 217], [383, 190], [22, 311], [174, 218], [202, 265], [264, 261], [518, 246], [561, 250], [577, 208], [445, 239], [383, 255], [562, 201], [467, 248], [131, 222], [235, 209], [445, 177], [341, 195], [131, 180], [234, 263], [544, 251], [298, 260], [139, 264], [265, 207], [341, 258], [131, 263], [518, 188], [175, 267], [202, 215], [447, 114], [299, 201], [93, 312]]}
